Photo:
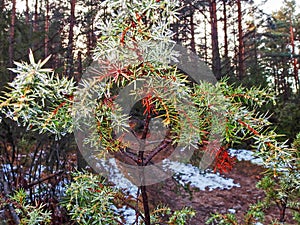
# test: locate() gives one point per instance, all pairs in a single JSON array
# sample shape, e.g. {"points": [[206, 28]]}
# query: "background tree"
{"points": [[216, 61], [12, 33], [70, 46], [279, 50], [4, 59]]}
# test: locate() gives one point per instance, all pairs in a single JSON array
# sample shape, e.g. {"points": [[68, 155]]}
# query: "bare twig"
{"points": [[6, 191]]}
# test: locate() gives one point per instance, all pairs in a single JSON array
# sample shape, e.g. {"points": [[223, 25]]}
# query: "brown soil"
{"points": [[207, 202]]}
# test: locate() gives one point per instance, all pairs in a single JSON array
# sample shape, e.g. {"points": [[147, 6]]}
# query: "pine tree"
{"points": [[278, 50]]}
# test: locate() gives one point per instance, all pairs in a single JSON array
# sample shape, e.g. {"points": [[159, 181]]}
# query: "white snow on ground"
{"points": [[6, 169], [186, 173], [128, 214], [233, 211], [183, 173], [246, 155], [116, 176], [204, 180], [189, 174]]}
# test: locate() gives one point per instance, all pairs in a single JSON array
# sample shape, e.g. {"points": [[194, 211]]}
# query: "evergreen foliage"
{"points": [[222, 114]]}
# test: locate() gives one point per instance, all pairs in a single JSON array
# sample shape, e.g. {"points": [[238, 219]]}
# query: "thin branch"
{"points": [[44, 179]]}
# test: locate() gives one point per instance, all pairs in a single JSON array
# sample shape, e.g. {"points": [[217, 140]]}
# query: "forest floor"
{"points": [[238, 193], [205, 202]]}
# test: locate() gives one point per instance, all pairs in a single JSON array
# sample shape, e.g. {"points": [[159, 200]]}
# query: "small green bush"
{"points": [[29, 214], [89, 201]]}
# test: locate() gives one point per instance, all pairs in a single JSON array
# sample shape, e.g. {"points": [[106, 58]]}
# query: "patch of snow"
{"points": [[232, 211], [117, 177], [183, 173], [61, 187], [204, 180], [245, 155], [128, 214], [6, 168], [249, 155]]}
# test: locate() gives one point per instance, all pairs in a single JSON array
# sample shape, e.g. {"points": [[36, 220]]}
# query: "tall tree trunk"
{"points": [[226, 63], [79, 67], [70, 66], [205, 42], [294, 59], [46, 40], [12, 34], [285, 87], [90, 32], [2, 5], [81, 163], [225, 30], [255, 48], [216, 61], [35, 22], [276, 80], [26, 12], [241, 52], [236, 52], [192, 27], [175, 29], [89, 43]]}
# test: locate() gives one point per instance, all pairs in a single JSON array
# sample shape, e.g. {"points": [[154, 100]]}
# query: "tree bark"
{"points": [[175, 29], [216, 61], [26, 12], [35, 22], [46, 40], [90, 33], [12, 34], [226, 60], [145, 205], [79, 67], [192, 27], [2, 5], [225, 30], [294, 59], [241, 52], [205, 42], [70, 66]]}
